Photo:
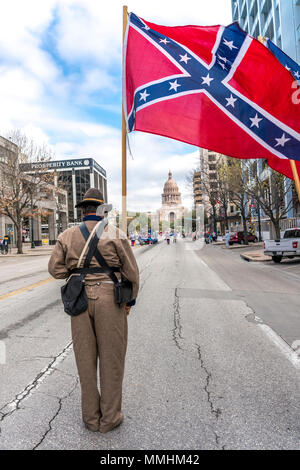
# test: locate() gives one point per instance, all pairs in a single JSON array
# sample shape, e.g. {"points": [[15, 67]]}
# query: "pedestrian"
{"points": [[5, 243], [132, 238], [227, 238], [100, 333]]}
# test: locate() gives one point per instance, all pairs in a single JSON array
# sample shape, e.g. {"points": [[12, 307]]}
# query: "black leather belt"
{"points": [[96, 270]]}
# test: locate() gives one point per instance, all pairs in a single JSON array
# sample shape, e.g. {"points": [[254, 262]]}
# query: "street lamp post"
{"points": [[259, 224], [32, 235], [258, 218]]}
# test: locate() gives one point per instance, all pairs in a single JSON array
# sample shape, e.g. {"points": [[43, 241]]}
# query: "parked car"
{"points": [[151, 240], [286, 247], [141, 240], [238, 237]]}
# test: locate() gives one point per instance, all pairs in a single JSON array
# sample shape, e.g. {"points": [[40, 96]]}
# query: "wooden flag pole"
{"points": [[124, 146], [263, 40], [296, 177]]}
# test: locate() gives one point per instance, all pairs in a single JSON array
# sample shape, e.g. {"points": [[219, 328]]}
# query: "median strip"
{"points": [[27, 288]]}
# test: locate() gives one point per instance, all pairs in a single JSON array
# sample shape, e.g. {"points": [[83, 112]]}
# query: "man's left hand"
{"points": [[127, 309]]}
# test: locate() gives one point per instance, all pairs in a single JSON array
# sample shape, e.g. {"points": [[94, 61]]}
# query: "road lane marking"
{"points": [[203, 262], [27, 288], [286, 350], [13, 405]]}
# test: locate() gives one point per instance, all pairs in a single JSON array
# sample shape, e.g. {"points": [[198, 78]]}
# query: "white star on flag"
{"points": [[255, 121], [282, 141], [164, 41], [207, 80], [231, 101], [230, 44], [184, 58], [297, 75], [288, 68], [174, 85], [144, 95], [146, 27]]}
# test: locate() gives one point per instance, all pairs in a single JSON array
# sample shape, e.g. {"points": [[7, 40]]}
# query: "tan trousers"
{"points": [[100, 334]]}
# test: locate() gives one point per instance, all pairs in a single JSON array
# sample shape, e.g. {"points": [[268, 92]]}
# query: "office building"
{"points": [[278, 20], [75, 176]]}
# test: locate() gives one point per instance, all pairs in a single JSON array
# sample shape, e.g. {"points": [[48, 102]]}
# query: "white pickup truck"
{"points": [[287, 247]]}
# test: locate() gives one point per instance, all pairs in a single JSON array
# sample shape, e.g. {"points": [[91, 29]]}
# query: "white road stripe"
{"points": [[10, 407], [203, 262], [281, 344], [285, 349]]}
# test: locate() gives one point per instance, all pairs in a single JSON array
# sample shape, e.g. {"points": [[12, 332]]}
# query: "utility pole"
{"points": [[32, 234]]}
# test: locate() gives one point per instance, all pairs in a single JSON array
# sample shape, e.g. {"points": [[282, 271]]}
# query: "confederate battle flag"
{"points": [[214, 87]]}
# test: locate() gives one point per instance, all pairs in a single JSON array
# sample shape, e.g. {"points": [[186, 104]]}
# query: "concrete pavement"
{"points": [[203, 370]]}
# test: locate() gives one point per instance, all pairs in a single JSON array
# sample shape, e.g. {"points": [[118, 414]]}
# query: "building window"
{"points": [[64, 181]]}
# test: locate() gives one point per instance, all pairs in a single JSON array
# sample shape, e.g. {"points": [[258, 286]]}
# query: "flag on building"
{"points": [[214, 87], [285, 60], [294, 69]]}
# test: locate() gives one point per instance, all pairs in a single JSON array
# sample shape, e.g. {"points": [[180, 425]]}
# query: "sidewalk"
{"points": [[255, 252], [43, 250], [28, 251], [240, 247]]}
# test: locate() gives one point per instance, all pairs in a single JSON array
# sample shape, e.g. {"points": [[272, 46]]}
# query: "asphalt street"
{"points": [[209, 362]]}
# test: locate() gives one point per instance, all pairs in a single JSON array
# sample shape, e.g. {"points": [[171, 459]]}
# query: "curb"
{"points": [[15, 255], [258, 259], [237, 246]]}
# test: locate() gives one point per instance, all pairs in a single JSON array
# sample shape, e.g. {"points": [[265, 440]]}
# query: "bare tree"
{"points": [[210, 190], [235, 179], [223, 189], [270, 190], [22, 185]]}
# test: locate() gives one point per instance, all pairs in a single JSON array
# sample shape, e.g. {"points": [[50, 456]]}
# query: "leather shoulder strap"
{"points": [[87, 242], [94, 251], [84, 230], [98, 230]]}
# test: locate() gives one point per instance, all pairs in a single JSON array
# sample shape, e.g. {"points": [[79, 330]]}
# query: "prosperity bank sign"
{"points": [[63, 165], [60, 164]]}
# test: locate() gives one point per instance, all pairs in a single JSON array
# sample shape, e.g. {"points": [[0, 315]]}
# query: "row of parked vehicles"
{"points": [[238, 237], [286, 247], [147, 240]]}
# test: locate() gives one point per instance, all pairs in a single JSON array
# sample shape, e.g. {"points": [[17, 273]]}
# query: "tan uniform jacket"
{"points": [[113, 245]]}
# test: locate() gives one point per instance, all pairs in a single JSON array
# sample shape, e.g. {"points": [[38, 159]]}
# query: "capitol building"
{"points": [[172, 209]]}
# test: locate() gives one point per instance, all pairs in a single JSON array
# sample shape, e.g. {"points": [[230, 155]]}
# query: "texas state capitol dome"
{"points": [[172, 209]]}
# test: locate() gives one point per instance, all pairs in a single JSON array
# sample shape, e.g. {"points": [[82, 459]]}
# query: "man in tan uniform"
{"points": [[100, 333]]}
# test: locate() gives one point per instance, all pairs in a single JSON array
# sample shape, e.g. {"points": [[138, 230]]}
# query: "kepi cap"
{"points": [[93, 196]]}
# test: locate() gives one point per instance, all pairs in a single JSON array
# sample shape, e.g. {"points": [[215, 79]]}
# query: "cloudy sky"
{"points": [[60, 82]]}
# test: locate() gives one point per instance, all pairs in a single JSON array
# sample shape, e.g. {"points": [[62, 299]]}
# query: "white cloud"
{"points": [[89, 30], [18, 84], [47, 93], [96, 80]]}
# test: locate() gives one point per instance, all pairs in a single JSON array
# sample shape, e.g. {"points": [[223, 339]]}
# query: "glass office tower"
{"points": [[278, 20], [75, 176]]}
